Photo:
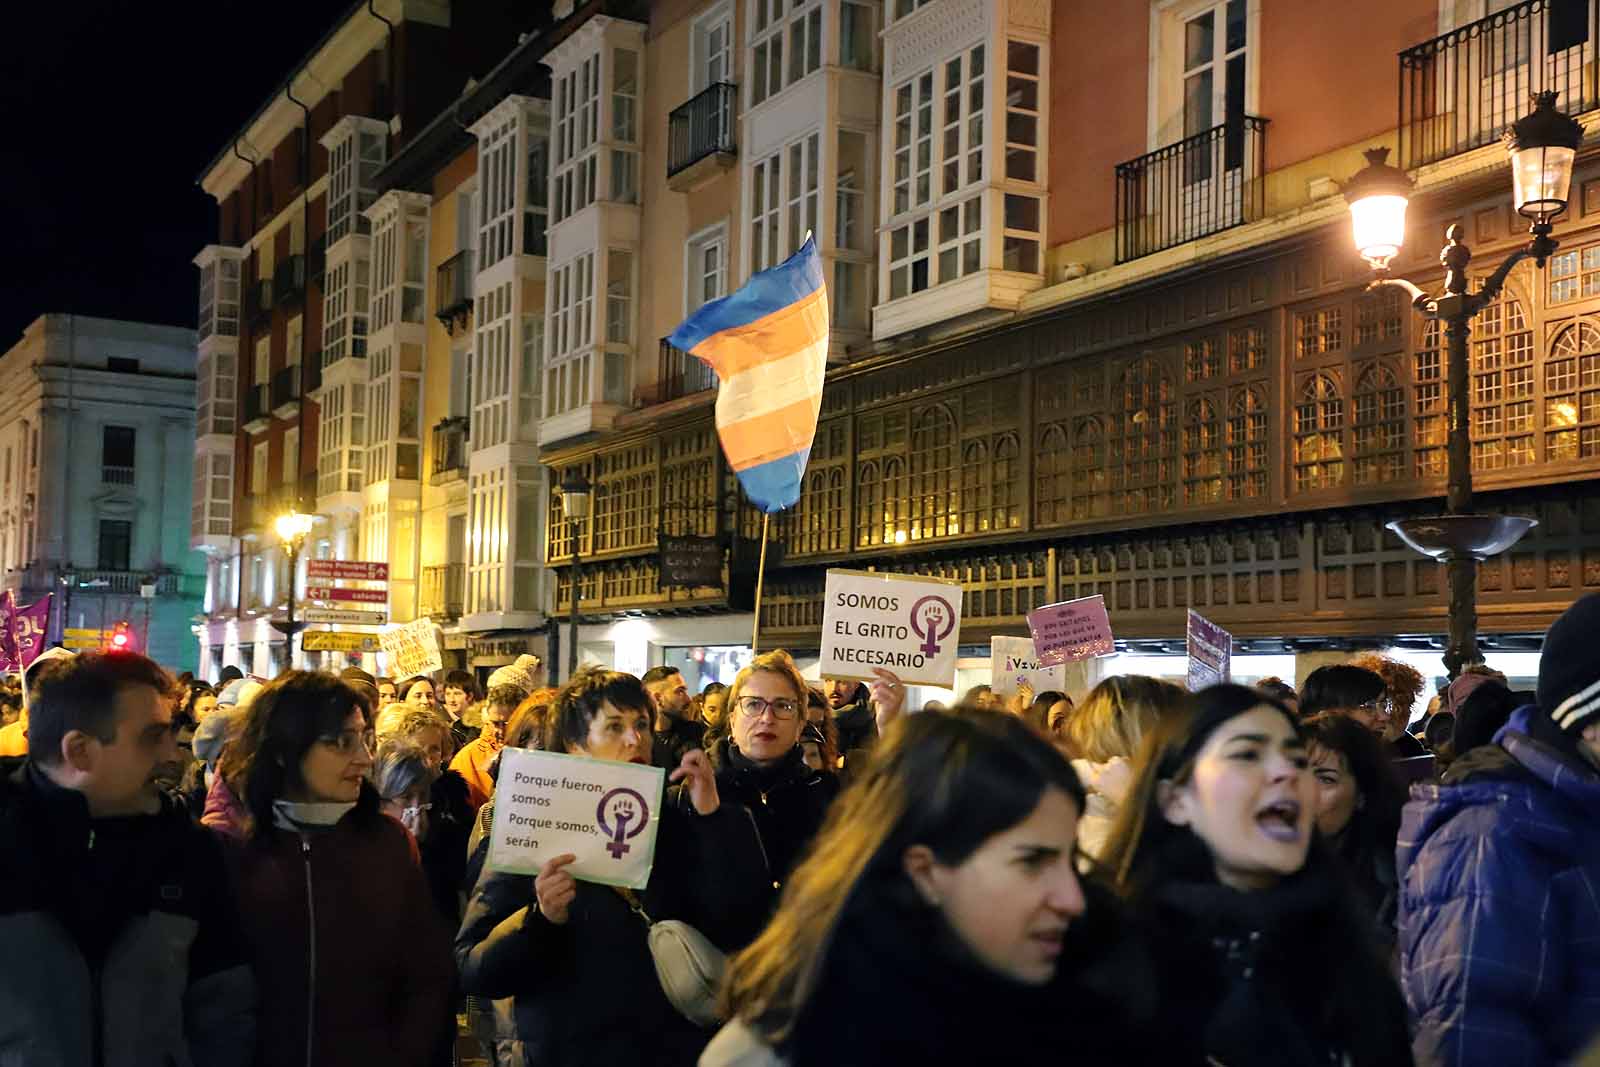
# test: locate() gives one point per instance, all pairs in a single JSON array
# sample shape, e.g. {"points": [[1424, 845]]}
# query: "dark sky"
{"points": [[109, 111]]}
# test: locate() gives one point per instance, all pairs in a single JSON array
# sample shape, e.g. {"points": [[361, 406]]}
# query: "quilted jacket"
{"points": [[1499, 869]]}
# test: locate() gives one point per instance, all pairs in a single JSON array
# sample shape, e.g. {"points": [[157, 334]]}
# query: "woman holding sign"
{"points": [[1264, 953], [574, 954], [940, 918]]}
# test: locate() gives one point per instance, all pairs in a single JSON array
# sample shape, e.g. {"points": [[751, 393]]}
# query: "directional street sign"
{"points": [[360, 596], [337, 617], [335, 641], [353, 569]]}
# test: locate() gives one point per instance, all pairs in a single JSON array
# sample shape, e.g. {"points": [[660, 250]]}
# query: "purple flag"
{"points": [[28, 628], [8, 639]]}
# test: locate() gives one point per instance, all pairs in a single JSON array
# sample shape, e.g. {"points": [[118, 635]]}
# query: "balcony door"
{"points": [[1215, 63], [711, 63], [1520, 51]]}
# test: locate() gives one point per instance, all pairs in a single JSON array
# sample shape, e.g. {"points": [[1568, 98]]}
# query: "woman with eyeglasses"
{"points": [[762, 765], [352, 963], [1361, 694]]}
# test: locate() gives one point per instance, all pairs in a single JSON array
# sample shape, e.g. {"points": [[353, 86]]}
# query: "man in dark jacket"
{"points": [[1500, 877], [675, 734], [860, 709], [120, 944]]}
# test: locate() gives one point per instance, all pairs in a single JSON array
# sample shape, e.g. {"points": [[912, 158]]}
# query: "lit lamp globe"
{"points": [[1543, 145], [1378, 195], [293, 526], [575, 495]]}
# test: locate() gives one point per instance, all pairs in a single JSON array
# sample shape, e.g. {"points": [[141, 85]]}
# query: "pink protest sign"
{"points": [[1071, 630]]}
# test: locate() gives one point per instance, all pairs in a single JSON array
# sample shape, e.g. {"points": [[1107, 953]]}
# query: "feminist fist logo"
{"points": [[932, 619], [628, 813]]}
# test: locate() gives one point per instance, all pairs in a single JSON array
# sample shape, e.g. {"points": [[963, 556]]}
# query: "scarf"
{"points": [[308, 817]]}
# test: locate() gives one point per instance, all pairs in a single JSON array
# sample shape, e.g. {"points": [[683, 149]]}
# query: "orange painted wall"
{"points": [[1329, 72], [1098, 56]]}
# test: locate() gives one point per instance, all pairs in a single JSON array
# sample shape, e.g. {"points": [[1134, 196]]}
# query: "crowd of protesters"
{"points": [[294, 871]]}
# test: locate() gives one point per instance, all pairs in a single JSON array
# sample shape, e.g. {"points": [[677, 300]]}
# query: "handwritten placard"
{"points": [[1071, 630], [604, 812], [905, 623], [1013, 663], [1210, 653], [413, 648]]}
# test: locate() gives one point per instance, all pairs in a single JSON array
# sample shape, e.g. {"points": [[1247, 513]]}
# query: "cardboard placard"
{"points": [[604, 812], [1210, 653], [413, 649], [1013, 663], [1071, 630], [906, 623]]}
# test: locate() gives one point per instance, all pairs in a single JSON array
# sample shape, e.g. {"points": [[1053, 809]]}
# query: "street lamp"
{"points": [[1542, 146], [575, 506], [292, 528]]}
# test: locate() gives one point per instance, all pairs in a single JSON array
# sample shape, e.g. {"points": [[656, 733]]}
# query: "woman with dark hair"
{"points": [[574, 955], [1262, 951], [1359, 798], [713, 704], [419, 690], [351, 962], [1364, 696], [941, 891], [820, 736]]}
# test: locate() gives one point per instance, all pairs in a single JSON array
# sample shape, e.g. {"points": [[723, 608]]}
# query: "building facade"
{"points": [[1098, 326], [95, 477]]}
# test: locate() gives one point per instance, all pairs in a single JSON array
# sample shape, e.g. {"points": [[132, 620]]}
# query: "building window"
{"points": [[913, 143], [1380, 316], [116, 455], [1022, 111], [1572, 394], [497, 161], [536, 212], [1427, 371], [902, 8], [712, 58], [1247, 349], [624, 125], [1247, 446], [1318, 333], [1142, 441], [1380, 426], [116, 544], [707, 273], [803, 191], [1202, 453], [1052, 477], [935, 503], [291, 456], [570, 336], [961, 152], [577, 98], [766, 201], [353, 166], [1502, 388], [258, 467], [1201, 359], [799, 29], [1089, 473], [1574, 274], [1319, 435], [491, 368], [344, 332], [619, 297], [857, 30]]}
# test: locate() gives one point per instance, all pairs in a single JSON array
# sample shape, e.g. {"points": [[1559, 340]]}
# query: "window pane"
{"points": [[1022, 255], [1236, 25], [1022, 58], [1022, 213], [1198, 41]]}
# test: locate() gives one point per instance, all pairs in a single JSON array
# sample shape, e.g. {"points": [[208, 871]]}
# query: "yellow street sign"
{"points": [[85, 635], [77, 643], [334, 641]]}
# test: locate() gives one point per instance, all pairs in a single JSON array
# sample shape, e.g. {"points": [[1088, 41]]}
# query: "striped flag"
{"points": [[768, 344]]}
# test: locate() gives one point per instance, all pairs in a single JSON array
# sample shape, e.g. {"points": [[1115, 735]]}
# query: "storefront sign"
{"points": [[1013, 663], [413, 649], [354, 570], [1071, 630], [359, 596], [602, 811], [334, 641], [905, 623], [1210, 653], [690, 562]]}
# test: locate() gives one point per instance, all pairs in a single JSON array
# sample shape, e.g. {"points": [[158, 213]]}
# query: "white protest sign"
{"points": [[1013, 663], [602, 811], [413, 649], [907, 623]]}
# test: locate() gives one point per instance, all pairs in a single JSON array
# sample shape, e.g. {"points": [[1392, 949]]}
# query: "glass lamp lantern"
{"points": [[1543, 145], [1378, 196]]}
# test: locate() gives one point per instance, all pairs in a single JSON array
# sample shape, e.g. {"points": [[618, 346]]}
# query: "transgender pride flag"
{"points": [[768, 344]]}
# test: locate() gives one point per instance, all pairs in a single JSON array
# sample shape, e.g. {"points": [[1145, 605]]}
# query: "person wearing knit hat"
{"points": [[1499, 865]]}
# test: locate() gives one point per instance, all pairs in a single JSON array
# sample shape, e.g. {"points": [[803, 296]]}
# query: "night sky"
{"points": [[110, 111]]}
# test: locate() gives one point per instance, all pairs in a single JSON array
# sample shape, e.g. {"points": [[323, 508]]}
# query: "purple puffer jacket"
{"points": [[1500, 903]]}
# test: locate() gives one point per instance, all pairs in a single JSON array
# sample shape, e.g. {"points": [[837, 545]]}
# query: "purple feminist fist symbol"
{"points": [[629, 810], [928, 615]]}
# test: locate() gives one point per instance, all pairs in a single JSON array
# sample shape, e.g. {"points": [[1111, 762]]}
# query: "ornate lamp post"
{"points": [[575, 506], [1542, 147], [292, 528]]}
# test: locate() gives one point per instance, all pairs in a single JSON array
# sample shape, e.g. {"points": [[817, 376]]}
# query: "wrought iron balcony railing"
{"points": [[1463, 89], [701, 126], [1193, 188]]}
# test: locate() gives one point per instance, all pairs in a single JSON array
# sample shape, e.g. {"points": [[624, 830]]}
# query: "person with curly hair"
{"points": [[1402, 685]]}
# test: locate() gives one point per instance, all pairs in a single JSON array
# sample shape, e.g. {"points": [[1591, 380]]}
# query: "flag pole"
{"points": [[761, 573]]}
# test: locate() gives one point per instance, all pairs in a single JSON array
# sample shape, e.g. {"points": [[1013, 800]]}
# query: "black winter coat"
{"points": [[789, 802], [857, 724], [586, 991], [444, 850], [1246, 979], [679, 737]]}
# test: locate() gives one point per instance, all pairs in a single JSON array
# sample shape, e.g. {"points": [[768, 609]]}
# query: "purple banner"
{"points": [[22, 632], [1210, 653], [1071, 630]]}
